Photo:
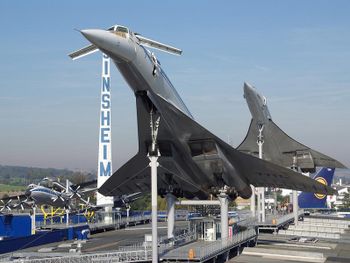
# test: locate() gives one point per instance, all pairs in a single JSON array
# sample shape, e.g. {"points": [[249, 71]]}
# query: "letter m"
{"points": [[105, 171]]}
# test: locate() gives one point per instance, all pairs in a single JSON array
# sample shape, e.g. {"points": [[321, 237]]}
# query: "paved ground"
{"points": [[269, 247], [107, 241]]}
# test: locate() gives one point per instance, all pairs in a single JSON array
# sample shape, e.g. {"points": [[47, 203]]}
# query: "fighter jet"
{"points": [[278, 147], [194, 163]]}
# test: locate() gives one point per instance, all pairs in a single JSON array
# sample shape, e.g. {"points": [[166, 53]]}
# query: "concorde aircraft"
{"points": [[194, 163], [47, 192], [278, 147]]}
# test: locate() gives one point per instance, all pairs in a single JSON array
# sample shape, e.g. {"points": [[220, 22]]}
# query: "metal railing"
{"points": [[212, 249], [118, 256], [139, 252], [288, 217], [203, 250], [115, 222]]}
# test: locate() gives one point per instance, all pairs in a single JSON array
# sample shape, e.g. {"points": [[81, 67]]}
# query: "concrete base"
{"points": [[285, 254]]}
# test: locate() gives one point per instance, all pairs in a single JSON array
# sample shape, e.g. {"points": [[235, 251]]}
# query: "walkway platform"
{"points": [[204, 251], [183, 249], [98, 227], [276, 222]]}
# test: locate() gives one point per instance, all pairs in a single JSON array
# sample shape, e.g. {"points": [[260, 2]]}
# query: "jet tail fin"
{"points": [[280, 148], [313, 200]]}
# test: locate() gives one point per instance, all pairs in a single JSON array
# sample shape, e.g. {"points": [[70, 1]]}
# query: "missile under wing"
{"points": [[194, 162], [278, 147]]}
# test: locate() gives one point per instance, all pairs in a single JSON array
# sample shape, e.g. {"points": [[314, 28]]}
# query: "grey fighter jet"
{"points": [[278, 147], [194, 163]]}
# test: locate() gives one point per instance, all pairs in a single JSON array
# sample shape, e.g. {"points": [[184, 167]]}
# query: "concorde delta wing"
{"points": [[238, 169], [280, 148], [134, 176]]}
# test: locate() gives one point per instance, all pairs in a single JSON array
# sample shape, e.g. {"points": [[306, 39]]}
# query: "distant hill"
{"points": [[22, 176]]}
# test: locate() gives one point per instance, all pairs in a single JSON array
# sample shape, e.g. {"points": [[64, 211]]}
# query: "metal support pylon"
{"points": [[170, 200], [252, 201], [223, 198], [295, 195], [261, 190], [33, 220], [153, 157]]}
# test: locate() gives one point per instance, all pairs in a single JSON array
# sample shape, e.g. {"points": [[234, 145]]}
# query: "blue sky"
{"points": [[295, 52]]}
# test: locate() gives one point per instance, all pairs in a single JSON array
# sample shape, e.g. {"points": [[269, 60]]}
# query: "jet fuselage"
{"points": [[143, 72], [192, 158], [257, 105]]}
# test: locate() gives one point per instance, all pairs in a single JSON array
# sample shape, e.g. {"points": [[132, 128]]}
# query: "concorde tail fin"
{"points": [[313, 200]]}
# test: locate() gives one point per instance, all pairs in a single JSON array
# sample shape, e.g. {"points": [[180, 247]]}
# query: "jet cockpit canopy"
{"points": [[118, 28]]}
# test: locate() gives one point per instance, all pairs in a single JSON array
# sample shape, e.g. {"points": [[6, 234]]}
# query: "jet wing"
{"points": [[83, 185], [175, 127], [134, 176], [254, 171], [280, 149]]}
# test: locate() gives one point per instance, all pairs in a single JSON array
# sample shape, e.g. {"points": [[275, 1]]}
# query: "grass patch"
{"points": [[11, 188]]}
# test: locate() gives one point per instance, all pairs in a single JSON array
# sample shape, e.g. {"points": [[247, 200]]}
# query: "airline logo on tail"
{"points": [[314, 200], [322, 181]]}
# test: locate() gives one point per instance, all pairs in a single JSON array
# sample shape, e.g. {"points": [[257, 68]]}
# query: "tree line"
{"points": [[23, 176]]}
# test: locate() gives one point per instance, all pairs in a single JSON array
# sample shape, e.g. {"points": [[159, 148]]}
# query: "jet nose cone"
{"points": [[116, 46], [247, 87], [96, 36]]}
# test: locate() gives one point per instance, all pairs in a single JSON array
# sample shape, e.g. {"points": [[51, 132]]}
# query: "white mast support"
{"points": [[153, 157], [259, 204], [170, 200], [33, 220], [252, 201], [104, 169], [223, 198], [67, 216], [295, 195], [154, 164], [127, 213], [67, 208], [261, 190]]}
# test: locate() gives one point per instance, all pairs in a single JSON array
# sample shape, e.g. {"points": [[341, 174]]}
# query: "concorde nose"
{"points": [[248, 90], [115, 46]]}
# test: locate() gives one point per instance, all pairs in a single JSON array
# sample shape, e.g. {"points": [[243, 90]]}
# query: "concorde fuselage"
{"points": [[196, 160], [257, 105], [142, 72], [135, 63]]}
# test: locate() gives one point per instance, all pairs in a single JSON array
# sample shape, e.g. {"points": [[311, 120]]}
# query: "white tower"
{"points": [[104, 170]]}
